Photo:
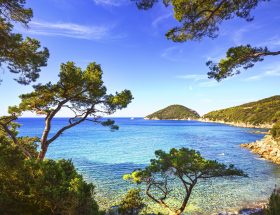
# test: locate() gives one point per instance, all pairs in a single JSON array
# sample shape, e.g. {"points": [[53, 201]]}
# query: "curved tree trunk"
{"points": [[43, 152]]}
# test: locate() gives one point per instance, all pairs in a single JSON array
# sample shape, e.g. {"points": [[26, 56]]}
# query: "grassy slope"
{"points": [[265, 111], [174, 112]]}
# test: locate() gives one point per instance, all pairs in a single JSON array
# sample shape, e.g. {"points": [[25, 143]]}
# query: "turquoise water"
{"points": [[103, 157]]}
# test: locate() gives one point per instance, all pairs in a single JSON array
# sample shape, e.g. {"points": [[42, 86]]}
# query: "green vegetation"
{"points": [[20, 56], [199, 19], [131, 203], [185, 165], [275, 131], [31, 184], [46, 187], [265, 111], [273, 207], [82, 92], [174, 112]]}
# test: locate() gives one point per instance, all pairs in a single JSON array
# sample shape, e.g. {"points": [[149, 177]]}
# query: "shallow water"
{"points": [[103, 157]]}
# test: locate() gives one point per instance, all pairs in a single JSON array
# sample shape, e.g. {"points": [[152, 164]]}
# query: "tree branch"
{"points": [[59, 132], [266, 53], [15, 141], [186, 199], [214, 11], [48, 120], [161, 202]]}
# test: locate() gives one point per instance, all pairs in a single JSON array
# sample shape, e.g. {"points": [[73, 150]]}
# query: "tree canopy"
{"points": [[80, 91], [186, 165], [19, 55], [202, 18], [43, 188], [131, 203]]}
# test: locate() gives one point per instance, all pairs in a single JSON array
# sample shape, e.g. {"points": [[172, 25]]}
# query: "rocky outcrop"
{"points": [[267, 148]]}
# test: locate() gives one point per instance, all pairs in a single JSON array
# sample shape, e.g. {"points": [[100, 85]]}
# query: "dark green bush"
{"points": [[273, 207], [131, 203], [41, 187], [275, 131]]}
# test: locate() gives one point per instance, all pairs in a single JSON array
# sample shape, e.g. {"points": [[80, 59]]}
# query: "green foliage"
{"points": [[265, 111], [13, 10], [275, 131], [77, 90], [45, 187], [185, 165], [199, 19], [81, 91], [236, 57], [22, 56], [273, 207], [174, 112], [131, 203]]}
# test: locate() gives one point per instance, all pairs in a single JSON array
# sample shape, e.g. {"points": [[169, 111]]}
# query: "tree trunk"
{"points": [[43, 152], [178, 212]]}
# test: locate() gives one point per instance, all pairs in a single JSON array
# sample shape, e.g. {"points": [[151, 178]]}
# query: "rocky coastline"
{"points": [[267, 148], [238, 124]]}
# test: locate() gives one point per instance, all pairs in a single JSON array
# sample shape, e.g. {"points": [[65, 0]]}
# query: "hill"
{"points": [[174, 112], [262, 112]]}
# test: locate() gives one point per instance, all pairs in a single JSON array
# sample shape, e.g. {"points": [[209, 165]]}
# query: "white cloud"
{"points": [[159, 19], [72, 30], [266, 74], [199, 80], [114, 3], [211, 83], [193, 77]]}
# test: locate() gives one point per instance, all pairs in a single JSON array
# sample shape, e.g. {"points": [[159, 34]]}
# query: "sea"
{"points": [[103, 156]]}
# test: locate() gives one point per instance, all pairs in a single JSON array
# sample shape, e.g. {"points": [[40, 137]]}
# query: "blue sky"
{"points": [[134, 54]]}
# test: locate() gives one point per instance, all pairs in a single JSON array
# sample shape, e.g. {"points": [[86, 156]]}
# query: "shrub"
{"points": [[41, 187], [273, 207], [131, 203], [275, 131]]}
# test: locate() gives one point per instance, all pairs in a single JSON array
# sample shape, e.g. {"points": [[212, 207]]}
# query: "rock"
{"points": [[267, 148]]}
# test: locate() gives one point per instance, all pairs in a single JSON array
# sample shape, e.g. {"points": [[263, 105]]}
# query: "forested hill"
{"points": [[265, 111], [174, 112]]}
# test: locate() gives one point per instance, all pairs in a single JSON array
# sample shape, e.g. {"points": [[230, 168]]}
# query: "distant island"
{"points": [[263, 114], [174, 112]]}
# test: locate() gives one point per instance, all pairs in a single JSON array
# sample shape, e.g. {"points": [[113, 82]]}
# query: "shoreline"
{"points": [[236, 124], [266, 148]]}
